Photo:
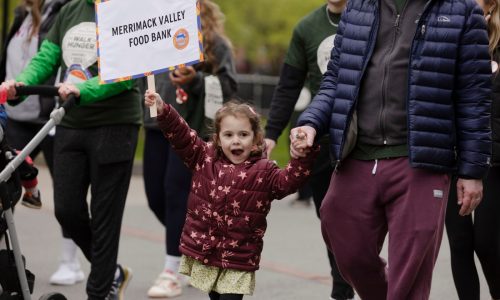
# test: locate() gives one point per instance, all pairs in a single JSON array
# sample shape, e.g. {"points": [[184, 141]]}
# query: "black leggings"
{"points": [[480, 236], [167, 182], [216, 296]]}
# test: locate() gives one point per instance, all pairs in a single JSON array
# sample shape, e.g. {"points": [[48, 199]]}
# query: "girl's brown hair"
{"points": [[493, 25], [212, 28], [35, 6], [237, 109]]}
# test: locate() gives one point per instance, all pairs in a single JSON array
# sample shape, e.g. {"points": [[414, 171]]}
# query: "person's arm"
{"points": [[185, 141], [318, 113], [288, 180], [40, 68], [226, 71], [43, 64], [284, 99], [286, 94], [92, 91], [472, 111], [473, 99]]}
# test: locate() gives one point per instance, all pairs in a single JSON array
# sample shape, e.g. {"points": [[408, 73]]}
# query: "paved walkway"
{"points": [[294, 263]]}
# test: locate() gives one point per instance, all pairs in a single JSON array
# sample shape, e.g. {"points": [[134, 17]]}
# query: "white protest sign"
{"points": [[140, 38]]}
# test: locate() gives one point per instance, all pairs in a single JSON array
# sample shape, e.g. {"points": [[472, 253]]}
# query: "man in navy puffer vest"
{"points": [[406, 101]]}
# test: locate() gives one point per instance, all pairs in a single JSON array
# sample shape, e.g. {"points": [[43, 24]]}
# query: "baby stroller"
{"points": [[16, 282]]}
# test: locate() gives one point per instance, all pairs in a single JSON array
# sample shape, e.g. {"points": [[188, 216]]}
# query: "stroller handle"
{"points": [[43, 90], [46, 90]]}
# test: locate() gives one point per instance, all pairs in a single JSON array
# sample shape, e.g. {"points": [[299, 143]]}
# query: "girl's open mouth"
{"points": [[237, 152]]}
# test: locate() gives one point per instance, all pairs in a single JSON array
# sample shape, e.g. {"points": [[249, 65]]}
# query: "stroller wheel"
{"points": [[53, 296]]}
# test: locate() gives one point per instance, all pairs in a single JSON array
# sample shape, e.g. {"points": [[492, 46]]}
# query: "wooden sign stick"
{"points": [[151, 86]]}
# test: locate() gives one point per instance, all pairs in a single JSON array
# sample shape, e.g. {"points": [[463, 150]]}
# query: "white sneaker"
{"points": [[167, 285], [67, 274]]}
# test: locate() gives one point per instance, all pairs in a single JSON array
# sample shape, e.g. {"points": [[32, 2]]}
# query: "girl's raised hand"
{"points": [[150, 98]]}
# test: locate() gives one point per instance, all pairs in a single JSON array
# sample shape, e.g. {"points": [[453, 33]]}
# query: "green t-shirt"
{"points": [[311, 45], [399, 5], [71, 43]]}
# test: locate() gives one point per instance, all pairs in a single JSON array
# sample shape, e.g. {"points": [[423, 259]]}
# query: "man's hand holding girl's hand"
{"points": [[302, 140], [150, 98]]}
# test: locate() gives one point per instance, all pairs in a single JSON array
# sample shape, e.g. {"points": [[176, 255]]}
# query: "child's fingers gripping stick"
{"points": [[150, 98]]}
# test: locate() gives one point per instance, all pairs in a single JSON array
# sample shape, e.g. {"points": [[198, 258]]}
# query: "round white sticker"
{"points": [[79, 45], [494, 66], [324, 52], [304, 99]]}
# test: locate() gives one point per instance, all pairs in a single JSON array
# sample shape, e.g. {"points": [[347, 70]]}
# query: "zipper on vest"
{"points": [[385, 75], [396, 23]]}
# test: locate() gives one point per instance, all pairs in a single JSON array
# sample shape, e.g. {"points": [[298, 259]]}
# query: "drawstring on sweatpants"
{"points": [[374, 170]]}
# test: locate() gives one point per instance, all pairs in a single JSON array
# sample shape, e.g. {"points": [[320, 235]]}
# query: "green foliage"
{"points": [[12, 5], [263, 27], [281, 152]]}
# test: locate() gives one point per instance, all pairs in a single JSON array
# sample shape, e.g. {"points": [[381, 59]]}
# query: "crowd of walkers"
{"points": [[401, 138]]}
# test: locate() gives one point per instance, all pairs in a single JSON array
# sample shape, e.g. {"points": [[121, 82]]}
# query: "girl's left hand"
{"points": [[65, 89], [183, 75]]}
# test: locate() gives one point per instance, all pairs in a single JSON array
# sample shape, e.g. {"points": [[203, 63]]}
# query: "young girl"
{"points": [[167, 181], [232, 187]]}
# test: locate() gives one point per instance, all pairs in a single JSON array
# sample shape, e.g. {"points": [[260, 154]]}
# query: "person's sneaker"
{"points": [[354, 298], [31, 201], [120, 284], [167, 285], [68, 273]]}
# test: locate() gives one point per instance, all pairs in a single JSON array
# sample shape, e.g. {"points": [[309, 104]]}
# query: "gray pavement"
{"points": [[294, 263]]}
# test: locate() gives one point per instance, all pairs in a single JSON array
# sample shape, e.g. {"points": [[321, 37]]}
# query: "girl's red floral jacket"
{"points": [[228, 204]]}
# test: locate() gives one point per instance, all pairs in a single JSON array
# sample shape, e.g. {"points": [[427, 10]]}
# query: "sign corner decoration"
{"points": [[153, 39]]}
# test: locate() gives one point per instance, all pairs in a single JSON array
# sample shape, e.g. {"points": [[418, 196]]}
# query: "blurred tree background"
{"points": [[259, 29], [6, 9]]}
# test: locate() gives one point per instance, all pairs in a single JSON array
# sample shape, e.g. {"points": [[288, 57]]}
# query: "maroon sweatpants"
{"points": [[368, 199]]}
